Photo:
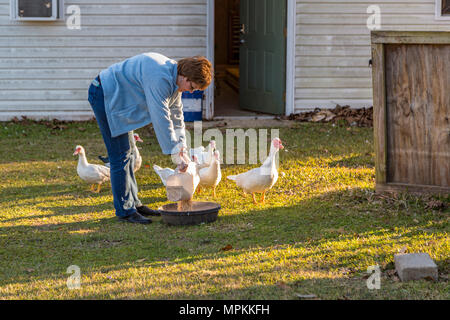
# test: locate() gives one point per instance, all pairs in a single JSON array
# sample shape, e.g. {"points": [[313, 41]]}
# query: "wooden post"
{"points": [[379, 112]]}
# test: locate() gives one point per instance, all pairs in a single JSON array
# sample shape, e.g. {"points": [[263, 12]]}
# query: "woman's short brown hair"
{"points": [[197, 69]]}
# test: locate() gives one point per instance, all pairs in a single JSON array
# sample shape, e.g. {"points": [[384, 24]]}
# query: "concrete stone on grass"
{"points": [[415, 266]]}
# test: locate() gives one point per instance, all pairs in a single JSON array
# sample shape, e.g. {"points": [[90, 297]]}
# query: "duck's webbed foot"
{"points": [[263, 198], [254, 199]]}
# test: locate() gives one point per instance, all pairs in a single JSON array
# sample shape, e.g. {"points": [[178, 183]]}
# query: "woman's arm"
{"points": [[158, 97], [176, 112]]}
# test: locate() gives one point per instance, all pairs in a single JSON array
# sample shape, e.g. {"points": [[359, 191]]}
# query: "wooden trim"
{"points": [[409, 37], [379, 112], [416, 189]]}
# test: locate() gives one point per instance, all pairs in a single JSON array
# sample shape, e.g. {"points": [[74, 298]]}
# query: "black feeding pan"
{"points": [[202, 212]]}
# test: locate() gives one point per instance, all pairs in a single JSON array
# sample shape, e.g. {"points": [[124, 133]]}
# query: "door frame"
{"points": [[290, 57]]}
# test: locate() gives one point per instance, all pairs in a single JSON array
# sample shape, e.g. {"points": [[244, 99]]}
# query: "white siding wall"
{"points": [[333, 47], [45, 68]]}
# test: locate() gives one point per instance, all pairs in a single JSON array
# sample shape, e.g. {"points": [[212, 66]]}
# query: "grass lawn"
{"points": [[319, 230]]}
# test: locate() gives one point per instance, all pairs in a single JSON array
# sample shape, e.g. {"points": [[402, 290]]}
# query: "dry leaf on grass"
{"points": [[227, 247], [403, 249], [282, 285], [435, 205]]}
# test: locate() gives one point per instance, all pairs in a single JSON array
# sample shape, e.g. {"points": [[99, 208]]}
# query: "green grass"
{"points": [[319, 230]]}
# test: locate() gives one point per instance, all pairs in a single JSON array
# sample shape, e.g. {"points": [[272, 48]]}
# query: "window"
{"points": [[445, 10], [442, 10], [36, 10]]}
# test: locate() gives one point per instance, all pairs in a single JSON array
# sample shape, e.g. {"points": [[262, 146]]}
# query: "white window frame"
{"points": [[57, 12], [438, 12]]}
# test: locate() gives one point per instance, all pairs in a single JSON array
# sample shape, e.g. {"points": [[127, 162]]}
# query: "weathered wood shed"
{"points": [[412, 111]]}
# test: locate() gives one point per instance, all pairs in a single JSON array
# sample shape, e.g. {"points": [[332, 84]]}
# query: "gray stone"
{"points": [[415, 266]]}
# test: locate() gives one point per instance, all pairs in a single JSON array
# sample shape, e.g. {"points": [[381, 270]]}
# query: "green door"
{"points": [[262, 56]]}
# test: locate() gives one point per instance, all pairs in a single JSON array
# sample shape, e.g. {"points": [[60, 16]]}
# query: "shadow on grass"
{"points": [[358, 161], [77, 210], [79, 190], [51, 190], [106, 244]]}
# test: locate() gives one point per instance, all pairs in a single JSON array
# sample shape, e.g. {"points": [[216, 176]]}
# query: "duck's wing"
{"points": [[104, 171], [163, 173], [202, 166], [95, 173], [246, 178]]}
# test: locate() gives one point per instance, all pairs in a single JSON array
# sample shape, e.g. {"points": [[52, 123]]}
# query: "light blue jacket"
{"points": [[142, 90]]}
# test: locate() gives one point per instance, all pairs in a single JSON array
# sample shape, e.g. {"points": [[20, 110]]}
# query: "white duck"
{"points": [[260, 179], [204, 157], [210, 176], [134, 151], [91, 173], [181, 185], [163, 173]]}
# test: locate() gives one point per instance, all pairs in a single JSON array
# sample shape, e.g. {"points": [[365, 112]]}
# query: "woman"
{"points": [[132, 94]]}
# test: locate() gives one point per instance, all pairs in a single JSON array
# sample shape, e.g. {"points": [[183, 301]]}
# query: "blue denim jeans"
{"points": [[123, 182]]}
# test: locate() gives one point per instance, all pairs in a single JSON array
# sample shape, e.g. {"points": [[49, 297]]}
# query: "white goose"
{"points": [[210, 176], [204, 157], [91, 173], [260, 179]]}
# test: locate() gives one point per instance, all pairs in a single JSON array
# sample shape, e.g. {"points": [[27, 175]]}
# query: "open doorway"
{"points": [[226, 58], [249, 58]]}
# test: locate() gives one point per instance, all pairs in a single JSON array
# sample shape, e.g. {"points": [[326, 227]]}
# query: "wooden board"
{"points": [[418, 114]]}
